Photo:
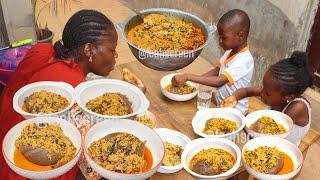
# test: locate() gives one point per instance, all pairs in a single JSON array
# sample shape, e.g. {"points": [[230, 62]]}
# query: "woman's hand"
{"points": [[129, 77], [230, 101], [179, 80], [139, 83]]}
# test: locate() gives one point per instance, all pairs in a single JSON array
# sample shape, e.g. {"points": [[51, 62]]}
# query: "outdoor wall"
{"points": [[17, 21], [3, 31], [278, 27], [301, 13]]}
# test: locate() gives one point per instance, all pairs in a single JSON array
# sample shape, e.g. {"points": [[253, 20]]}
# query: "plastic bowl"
{"points": [[173, 137], [166, 80], [8, 148], [197, 145], [62, 88], [153, 142], [279, 117], [151, 116], [92, 89], [282, 144], [202, 116]]}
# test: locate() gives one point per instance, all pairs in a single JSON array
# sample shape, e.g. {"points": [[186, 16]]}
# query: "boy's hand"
{"points": [[230, 101], [179, 80]]}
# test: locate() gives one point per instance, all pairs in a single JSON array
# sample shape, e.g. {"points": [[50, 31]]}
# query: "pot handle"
{"points": [[211, 28], [121, 27]]}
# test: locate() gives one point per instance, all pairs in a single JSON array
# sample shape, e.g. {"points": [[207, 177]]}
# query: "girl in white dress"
{"points": [[283, 85]]}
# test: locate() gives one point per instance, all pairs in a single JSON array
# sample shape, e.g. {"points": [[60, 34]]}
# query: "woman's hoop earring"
{"points": [[90, 59]]}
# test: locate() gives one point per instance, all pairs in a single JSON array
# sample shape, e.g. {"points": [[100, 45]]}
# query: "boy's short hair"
{"points": [[238, 18]]}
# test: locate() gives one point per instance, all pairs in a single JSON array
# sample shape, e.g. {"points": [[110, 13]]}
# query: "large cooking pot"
{"points": [[162, 61]]}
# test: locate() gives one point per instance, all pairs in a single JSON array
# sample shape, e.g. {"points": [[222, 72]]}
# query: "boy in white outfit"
{"points": [[235, 68]]}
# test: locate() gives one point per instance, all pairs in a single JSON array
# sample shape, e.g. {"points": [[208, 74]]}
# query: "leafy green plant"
{"points": [[55, 7]]}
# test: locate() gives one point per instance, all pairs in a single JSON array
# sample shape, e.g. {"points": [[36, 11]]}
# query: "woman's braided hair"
{"points": [[85, 26]]}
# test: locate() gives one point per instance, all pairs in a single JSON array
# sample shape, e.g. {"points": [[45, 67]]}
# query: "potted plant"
{"points": [[43, 33]]}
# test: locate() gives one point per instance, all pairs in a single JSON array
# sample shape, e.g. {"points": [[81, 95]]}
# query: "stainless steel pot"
{"points": [[162, 61]]}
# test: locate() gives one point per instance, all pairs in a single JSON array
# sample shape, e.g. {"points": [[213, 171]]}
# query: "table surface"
{"points": [[177, 115], [170, 114]]}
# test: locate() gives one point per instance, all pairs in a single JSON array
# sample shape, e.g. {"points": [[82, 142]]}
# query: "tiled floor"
{"points": [[118, 12]]}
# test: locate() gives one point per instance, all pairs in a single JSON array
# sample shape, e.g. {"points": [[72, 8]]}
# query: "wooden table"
{"points": [[170, 114], [178, 115]]}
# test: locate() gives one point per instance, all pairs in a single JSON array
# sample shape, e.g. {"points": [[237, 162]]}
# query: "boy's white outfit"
{"points": [[238, 69]]}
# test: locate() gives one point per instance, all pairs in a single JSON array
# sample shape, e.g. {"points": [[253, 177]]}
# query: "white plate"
{"points": [[202, 116], [176, 138], [61, 88], [279, 117], [166, 80], [9, 140], [144, 133], [91, 89], [197, 145], [151, 116], [283, 145]]}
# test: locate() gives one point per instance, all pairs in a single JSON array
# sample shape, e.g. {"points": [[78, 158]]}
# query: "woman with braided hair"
{"points": [[283, 85], [88, 44]]}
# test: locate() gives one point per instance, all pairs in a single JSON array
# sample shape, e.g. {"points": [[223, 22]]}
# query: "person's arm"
{"points": [[298, 111], [213, 81], [212, 72], [181, 79], [247, 92], [232, 100]]}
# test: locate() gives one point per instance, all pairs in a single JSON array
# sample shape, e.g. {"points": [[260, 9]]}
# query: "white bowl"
{"points": [[166, 80], [202, 116], [279, 117], [62, 88], [91, 89], [173, 137], [153, 142], [197, 145], [151, 116], [8, 147], [282, 144]]}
